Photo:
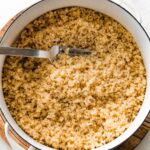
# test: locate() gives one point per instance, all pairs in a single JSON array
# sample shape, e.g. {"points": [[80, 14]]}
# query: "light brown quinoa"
{"points": [[78, 102]]}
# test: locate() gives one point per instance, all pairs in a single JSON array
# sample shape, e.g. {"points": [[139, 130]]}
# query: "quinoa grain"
{"points": [[78, 102]]}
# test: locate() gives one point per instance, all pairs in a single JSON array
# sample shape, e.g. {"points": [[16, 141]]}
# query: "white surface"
{"points": [[4, 145], [8, 8]]}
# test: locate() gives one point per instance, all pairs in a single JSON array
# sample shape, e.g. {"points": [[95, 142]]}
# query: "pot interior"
{"points": [[105, 6]]}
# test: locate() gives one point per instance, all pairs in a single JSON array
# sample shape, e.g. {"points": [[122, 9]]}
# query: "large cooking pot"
{"points": [[114, 9]]}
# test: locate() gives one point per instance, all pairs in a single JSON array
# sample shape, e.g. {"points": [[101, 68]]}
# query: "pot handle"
{"points": [[130, 8], [14, 145]]}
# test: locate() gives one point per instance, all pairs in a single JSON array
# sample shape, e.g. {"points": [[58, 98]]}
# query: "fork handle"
{"points": [[24, 52]]}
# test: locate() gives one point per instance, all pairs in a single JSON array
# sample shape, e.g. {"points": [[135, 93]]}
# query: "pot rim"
{"points": [[40, 1]]}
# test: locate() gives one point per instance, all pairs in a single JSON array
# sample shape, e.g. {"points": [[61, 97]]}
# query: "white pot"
{"points": [[108, 7]]}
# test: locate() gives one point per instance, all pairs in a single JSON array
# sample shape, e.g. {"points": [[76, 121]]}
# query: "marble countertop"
{"points": [[8, 8]]}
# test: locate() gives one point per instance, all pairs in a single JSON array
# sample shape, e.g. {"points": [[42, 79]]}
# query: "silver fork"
{"points": [[50, 54]]}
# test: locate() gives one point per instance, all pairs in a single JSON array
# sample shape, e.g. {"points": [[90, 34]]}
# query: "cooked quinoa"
{"points": [[77, 102]]}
